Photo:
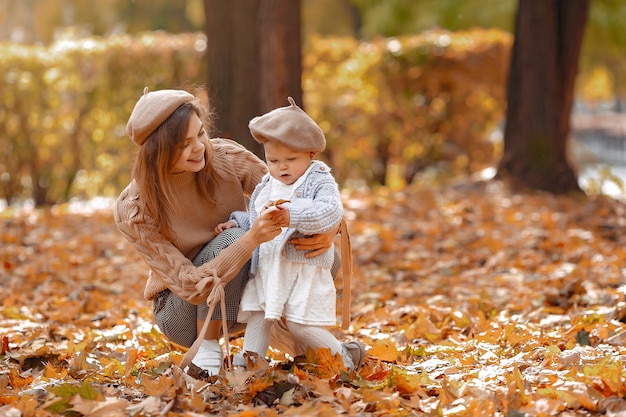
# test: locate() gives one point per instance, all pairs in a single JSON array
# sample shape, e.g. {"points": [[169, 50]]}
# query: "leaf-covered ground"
{"points": [[472, 301]]}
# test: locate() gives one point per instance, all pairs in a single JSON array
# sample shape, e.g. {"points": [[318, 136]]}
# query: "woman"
{"points": [[184, 184]]}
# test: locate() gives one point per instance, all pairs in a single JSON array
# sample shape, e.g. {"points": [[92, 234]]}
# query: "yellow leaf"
{"points": [[446, 394], [609, 371], [385, 350], [19, 380]]}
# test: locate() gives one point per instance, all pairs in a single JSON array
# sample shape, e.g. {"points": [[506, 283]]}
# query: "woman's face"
{"points": [[191, 149], [285, 164]]}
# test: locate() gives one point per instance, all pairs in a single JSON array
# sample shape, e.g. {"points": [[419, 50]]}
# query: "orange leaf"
{"points": [[385, 350], [51, 372], [159, 387], [19, 380], [329, 364], [131, 359]]}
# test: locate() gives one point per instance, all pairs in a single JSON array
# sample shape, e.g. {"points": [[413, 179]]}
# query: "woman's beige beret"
{"points": [[152, 109]]}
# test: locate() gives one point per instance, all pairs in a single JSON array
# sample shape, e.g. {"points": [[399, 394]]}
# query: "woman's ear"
{"points": [[313, 154]]}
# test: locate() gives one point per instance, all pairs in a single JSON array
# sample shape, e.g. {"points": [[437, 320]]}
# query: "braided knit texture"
{"points": [[169, 261]]}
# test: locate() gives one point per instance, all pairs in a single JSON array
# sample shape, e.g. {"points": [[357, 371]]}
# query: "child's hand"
{"points": [[276, 211], [280, 215], [223, 226], [274, 204]]}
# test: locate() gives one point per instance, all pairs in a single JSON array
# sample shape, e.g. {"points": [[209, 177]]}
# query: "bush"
{"points": [[63, 110], [391, 108]]}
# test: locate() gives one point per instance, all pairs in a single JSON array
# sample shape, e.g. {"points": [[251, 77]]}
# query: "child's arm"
{"points": [[223, 226], [321, 212], [239, 219]]}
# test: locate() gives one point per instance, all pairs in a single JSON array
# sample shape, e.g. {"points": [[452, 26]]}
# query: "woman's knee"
{"points": [[175, 318], [217, 244]]}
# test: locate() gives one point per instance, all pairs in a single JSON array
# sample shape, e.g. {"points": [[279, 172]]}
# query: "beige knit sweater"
{"points": [[170, 260]]}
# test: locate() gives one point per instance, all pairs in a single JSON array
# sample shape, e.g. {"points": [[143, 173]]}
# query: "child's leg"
{"points": [[256, 338], [320, 337]]}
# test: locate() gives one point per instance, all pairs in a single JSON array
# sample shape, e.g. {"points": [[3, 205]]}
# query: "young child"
{"points": [[284, 283]]}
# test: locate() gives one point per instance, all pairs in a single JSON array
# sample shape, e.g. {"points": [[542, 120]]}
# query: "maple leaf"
{"points": [[5, 346], [131, 359], [477, 300], [163, 386], [382, 401], [328, 364], [256, 385], [275, 393], [447, 393]]}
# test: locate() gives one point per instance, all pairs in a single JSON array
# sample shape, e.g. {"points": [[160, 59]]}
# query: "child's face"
{"points": [[286, 164]]}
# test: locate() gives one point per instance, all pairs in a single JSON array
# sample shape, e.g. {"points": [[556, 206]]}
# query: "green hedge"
{"points": [[395, 108], [390, 108], [63, 110]]}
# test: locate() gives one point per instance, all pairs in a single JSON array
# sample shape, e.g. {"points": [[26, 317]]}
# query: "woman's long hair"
{"points": [[156, 158]]}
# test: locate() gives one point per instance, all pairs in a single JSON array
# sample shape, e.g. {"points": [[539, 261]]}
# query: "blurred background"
{"points": [[407, 91]]}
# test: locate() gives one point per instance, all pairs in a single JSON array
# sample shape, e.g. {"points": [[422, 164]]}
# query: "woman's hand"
{"points": [[316, 244], [263, 229]]}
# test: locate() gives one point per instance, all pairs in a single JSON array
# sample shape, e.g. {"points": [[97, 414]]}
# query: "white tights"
{"points": [[257, 338]]}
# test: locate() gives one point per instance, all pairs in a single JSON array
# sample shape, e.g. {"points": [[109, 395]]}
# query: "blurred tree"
{"points": [[604, 45], [41, 21], [544, 65], [330, 17], [254, 61], [397, 17]]}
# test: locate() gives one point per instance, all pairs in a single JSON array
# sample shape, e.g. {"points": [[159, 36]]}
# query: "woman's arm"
{"points": [[173, 268]]}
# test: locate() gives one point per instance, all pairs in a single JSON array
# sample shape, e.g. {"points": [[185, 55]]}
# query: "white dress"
{"points": [[300, 292]]}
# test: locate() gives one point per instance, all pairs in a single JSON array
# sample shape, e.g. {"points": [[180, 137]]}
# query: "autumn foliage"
{"points": [[390, 108], [472, 301], [393, 108], [64, 107]]}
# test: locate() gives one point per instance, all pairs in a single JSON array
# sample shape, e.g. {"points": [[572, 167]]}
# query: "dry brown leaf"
{"points": [[110, 407], [470, 299]]}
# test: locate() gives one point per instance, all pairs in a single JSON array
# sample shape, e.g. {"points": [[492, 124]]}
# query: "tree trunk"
{"points": [[246, 71], [254, 60], [281, 69], [544, 65], [219, 31]]}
